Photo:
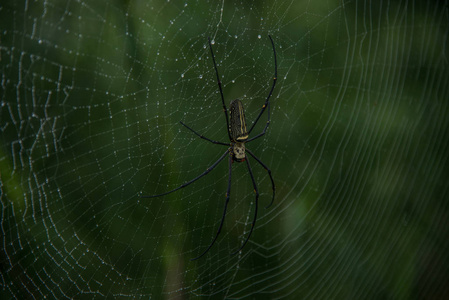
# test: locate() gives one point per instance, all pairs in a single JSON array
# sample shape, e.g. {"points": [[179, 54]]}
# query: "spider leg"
{"points": [[271, 91], [228, 193], [203, 137], [225, 110], [266, 126], [255, 209], [273, 186], [191, 181]]}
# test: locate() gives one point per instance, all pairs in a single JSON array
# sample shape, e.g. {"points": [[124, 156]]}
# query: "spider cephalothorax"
{"points": [[238, 137], [238, 152]]}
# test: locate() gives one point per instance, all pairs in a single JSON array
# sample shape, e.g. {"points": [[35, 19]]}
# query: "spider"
{"points": [[238, 137]]}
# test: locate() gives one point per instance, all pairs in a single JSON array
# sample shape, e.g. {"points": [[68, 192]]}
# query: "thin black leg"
{"points": [[228, 193], [203, 137], [193, 180], [272, 87], [273, 186], [225, 110], [266, 126], [255, 209]]}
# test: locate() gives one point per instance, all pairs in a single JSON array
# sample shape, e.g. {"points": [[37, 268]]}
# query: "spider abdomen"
{"points": [[237, 125]]}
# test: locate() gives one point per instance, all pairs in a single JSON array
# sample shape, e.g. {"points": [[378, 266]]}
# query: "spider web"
{"points": [[91, 98]]}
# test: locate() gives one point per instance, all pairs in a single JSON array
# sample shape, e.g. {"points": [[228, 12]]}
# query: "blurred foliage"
{"points": [[91, 98]]}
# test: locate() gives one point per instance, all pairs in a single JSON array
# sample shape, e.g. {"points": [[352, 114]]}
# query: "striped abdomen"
{"points": [[237, 125]]}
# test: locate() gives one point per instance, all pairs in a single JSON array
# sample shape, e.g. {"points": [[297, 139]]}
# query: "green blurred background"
{"points": [[92, 93]]}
